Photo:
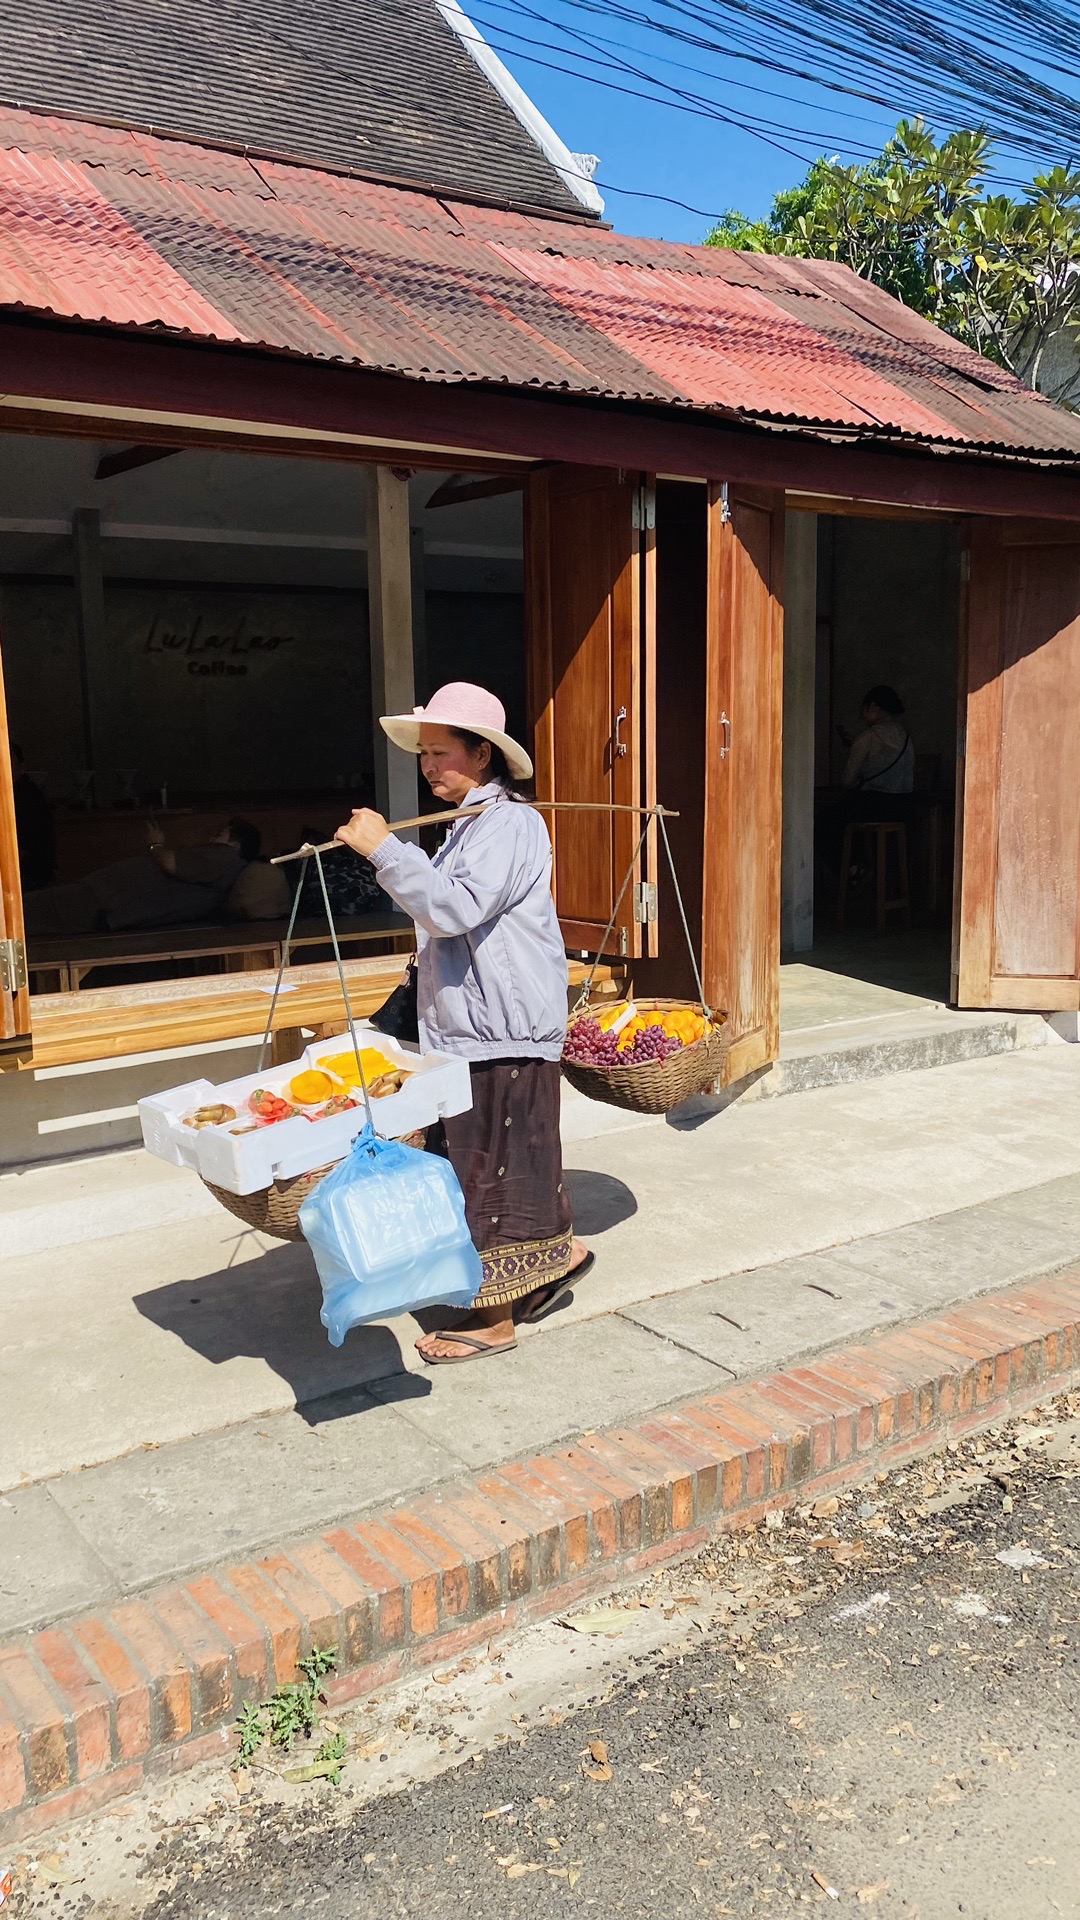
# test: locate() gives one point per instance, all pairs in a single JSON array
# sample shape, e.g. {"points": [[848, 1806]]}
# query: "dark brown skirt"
{"points": [[507, 1154]]}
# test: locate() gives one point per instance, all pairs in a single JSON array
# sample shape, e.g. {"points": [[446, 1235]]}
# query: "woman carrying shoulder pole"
{"points": [[492, 988]]}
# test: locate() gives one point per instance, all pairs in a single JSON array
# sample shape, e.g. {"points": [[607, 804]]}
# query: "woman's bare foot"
{"points": [[493, 1326]]}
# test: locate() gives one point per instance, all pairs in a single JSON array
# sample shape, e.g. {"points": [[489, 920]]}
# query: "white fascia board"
{"points": [[566, 164]]}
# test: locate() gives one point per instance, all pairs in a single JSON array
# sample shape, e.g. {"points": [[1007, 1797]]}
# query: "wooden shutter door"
{"points": [[743, 802], [1018, 899], [584, 599], [14, 994]]}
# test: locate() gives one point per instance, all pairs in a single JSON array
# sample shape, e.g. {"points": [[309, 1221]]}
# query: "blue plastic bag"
{"points": [[388, 1232]]}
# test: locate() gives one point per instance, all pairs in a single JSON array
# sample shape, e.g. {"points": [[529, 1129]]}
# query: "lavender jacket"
{"points": [[491, 966]]}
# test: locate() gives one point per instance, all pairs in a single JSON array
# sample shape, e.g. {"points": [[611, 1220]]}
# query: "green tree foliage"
{"points": [[1003, 275]]}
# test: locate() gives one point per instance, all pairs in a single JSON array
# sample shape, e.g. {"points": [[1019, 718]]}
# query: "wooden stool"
{"points": [[877, 834]]}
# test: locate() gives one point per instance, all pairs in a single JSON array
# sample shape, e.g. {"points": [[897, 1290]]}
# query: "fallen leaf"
{"points": [[521, 1867], [572, 1878], [824, 1542], [867, 1895], [605, 1620], [821, 1509], [845, 1551], [599, 1752]]}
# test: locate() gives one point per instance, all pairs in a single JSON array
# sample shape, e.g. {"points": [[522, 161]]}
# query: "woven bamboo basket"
{"points": [[656, 1085], [276, 1209]]}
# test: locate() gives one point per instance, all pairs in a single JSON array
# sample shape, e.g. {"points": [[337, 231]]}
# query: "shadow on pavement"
{"points": [[599, 1201], [267, 1308]]}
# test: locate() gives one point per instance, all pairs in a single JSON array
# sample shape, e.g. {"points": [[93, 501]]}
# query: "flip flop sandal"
{"points": [[561, 1287], [479, 1349]]}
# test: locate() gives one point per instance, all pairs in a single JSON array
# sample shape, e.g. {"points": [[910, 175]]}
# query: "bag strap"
{"points": [[892, 763]]}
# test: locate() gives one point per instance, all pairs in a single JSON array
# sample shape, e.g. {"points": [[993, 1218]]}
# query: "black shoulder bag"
{"points": [[397, 1017]]}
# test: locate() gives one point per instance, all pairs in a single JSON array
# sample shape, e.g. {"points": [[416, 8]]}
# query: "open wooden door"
{"points": [[588, 545], [14, 992], [743, 797], [1017, 920]]}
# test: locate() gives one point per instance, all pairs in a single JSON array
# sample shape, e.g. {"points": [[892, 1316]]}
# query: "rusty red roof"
{"points": [[130, 230]]}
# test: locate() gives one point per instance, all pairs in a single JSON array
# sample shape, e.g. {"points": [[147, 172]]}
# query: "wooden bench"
{"points": [[244, 946], [105, 1023]]}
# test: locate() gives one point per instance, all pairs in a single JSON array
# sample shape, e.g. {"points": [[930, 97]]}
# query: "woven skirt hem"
{"points": [[510, 1273]]}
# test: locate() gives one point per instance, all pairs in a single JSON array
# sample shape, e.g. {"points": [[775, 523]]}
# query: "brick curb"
{"points": [[151, 1685]]}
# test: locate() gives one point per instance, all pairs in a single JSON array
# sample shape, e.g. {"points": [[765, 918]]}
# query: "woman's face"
{"points": [[450, 768]]}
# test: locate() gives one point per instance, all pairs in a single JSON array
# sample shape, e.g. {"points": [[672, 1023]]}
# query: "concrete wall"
{"points": [[888, 610]]}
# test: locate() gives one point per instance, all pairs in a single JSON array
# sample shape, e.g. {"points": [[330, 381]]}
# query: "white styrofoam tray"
{"points": [[245, 1163]]}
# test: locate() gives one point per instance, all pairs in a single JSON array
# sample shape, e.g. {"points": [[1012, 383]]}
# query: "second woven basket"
{"points": [[655, 1086]]}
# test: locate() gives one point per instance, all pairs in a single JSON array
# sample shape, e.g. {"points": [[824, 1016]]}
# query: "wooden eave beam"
{"points": [[73, 373]]}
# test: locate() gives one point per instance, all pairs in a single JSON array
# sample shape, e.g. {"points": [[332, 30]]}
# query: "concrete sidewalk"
{"points": [[185, 1371], [192, 1324]]}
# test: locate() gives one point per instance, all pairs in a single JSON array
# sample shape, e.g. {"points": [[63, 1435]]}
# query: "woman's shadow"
{"points": [[264, 1305]]}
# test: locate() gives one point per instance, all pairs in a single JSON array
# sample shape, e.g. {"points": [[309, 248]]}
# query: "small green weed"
{"points": [[326, 1765], [290, 1714]]}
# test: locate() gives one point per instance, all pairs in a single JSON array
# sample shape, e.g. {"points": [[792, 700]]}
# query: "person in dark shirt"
{"points": [[166, 887], [34, 828]]}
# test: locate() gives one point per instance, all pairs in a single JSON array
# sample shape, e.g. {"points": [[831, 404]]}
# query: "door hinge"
{"points": [[644, 509], [12, 966], [965, 565], [624, 943], [645, 902], [725, 506]]}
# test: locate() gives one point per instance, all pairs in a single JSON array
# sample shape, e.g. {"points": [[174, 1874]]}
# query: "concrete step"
{"points": [[855, 1050]]}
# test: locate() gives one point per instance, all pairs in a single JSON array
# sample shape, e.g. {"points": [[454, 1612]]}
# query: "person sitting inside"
{"points": [[881, 757], [35, 831], [165, 887]]}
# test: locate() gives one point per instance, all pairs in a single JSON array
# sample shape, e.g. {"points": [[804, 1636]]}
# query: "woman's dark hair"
{"points": [[887, 699], [247, 838], [497, 767]]}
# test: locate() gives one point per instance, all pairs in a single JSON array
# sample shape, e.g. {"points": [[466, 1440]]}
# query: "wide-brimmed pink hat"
{"points": [[462, 705]]}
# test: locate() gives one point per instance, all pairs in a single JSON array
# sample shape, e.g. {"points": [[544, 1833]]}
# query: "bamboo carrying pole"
{"points": [[460, 813]]}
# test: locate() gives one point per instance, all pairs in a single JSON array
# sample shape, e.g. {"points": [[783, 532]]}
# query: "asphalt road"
{"points": [[865, 1710]]}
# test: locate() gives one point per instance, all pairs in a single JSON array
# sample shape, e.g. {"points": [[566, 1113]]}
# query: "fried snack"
{"points": [[209, 1116]]}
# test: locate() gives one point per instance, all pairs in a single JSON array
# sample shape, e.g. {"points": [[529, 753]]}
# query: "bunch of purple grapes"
{"points": [[652, 1043], [590, 1046]]}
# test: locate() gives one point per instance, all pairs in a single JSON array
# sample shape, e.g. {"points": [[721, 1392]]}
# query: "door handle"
{"points": [[620, 746], [726, 745]]}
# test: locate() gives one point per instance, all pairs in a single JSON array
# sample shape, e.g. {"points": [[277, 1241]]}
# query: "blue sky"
{"points": [[659, 150]]}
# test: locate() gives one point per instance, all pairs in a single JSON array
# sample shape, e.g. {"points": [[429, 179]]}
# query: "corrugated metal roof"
{"points": [[135, 231]]}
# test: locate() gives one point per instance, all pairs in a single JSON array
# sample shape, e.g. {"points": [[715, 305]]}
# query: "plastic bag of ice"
{"points": [[387, 1229]]}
